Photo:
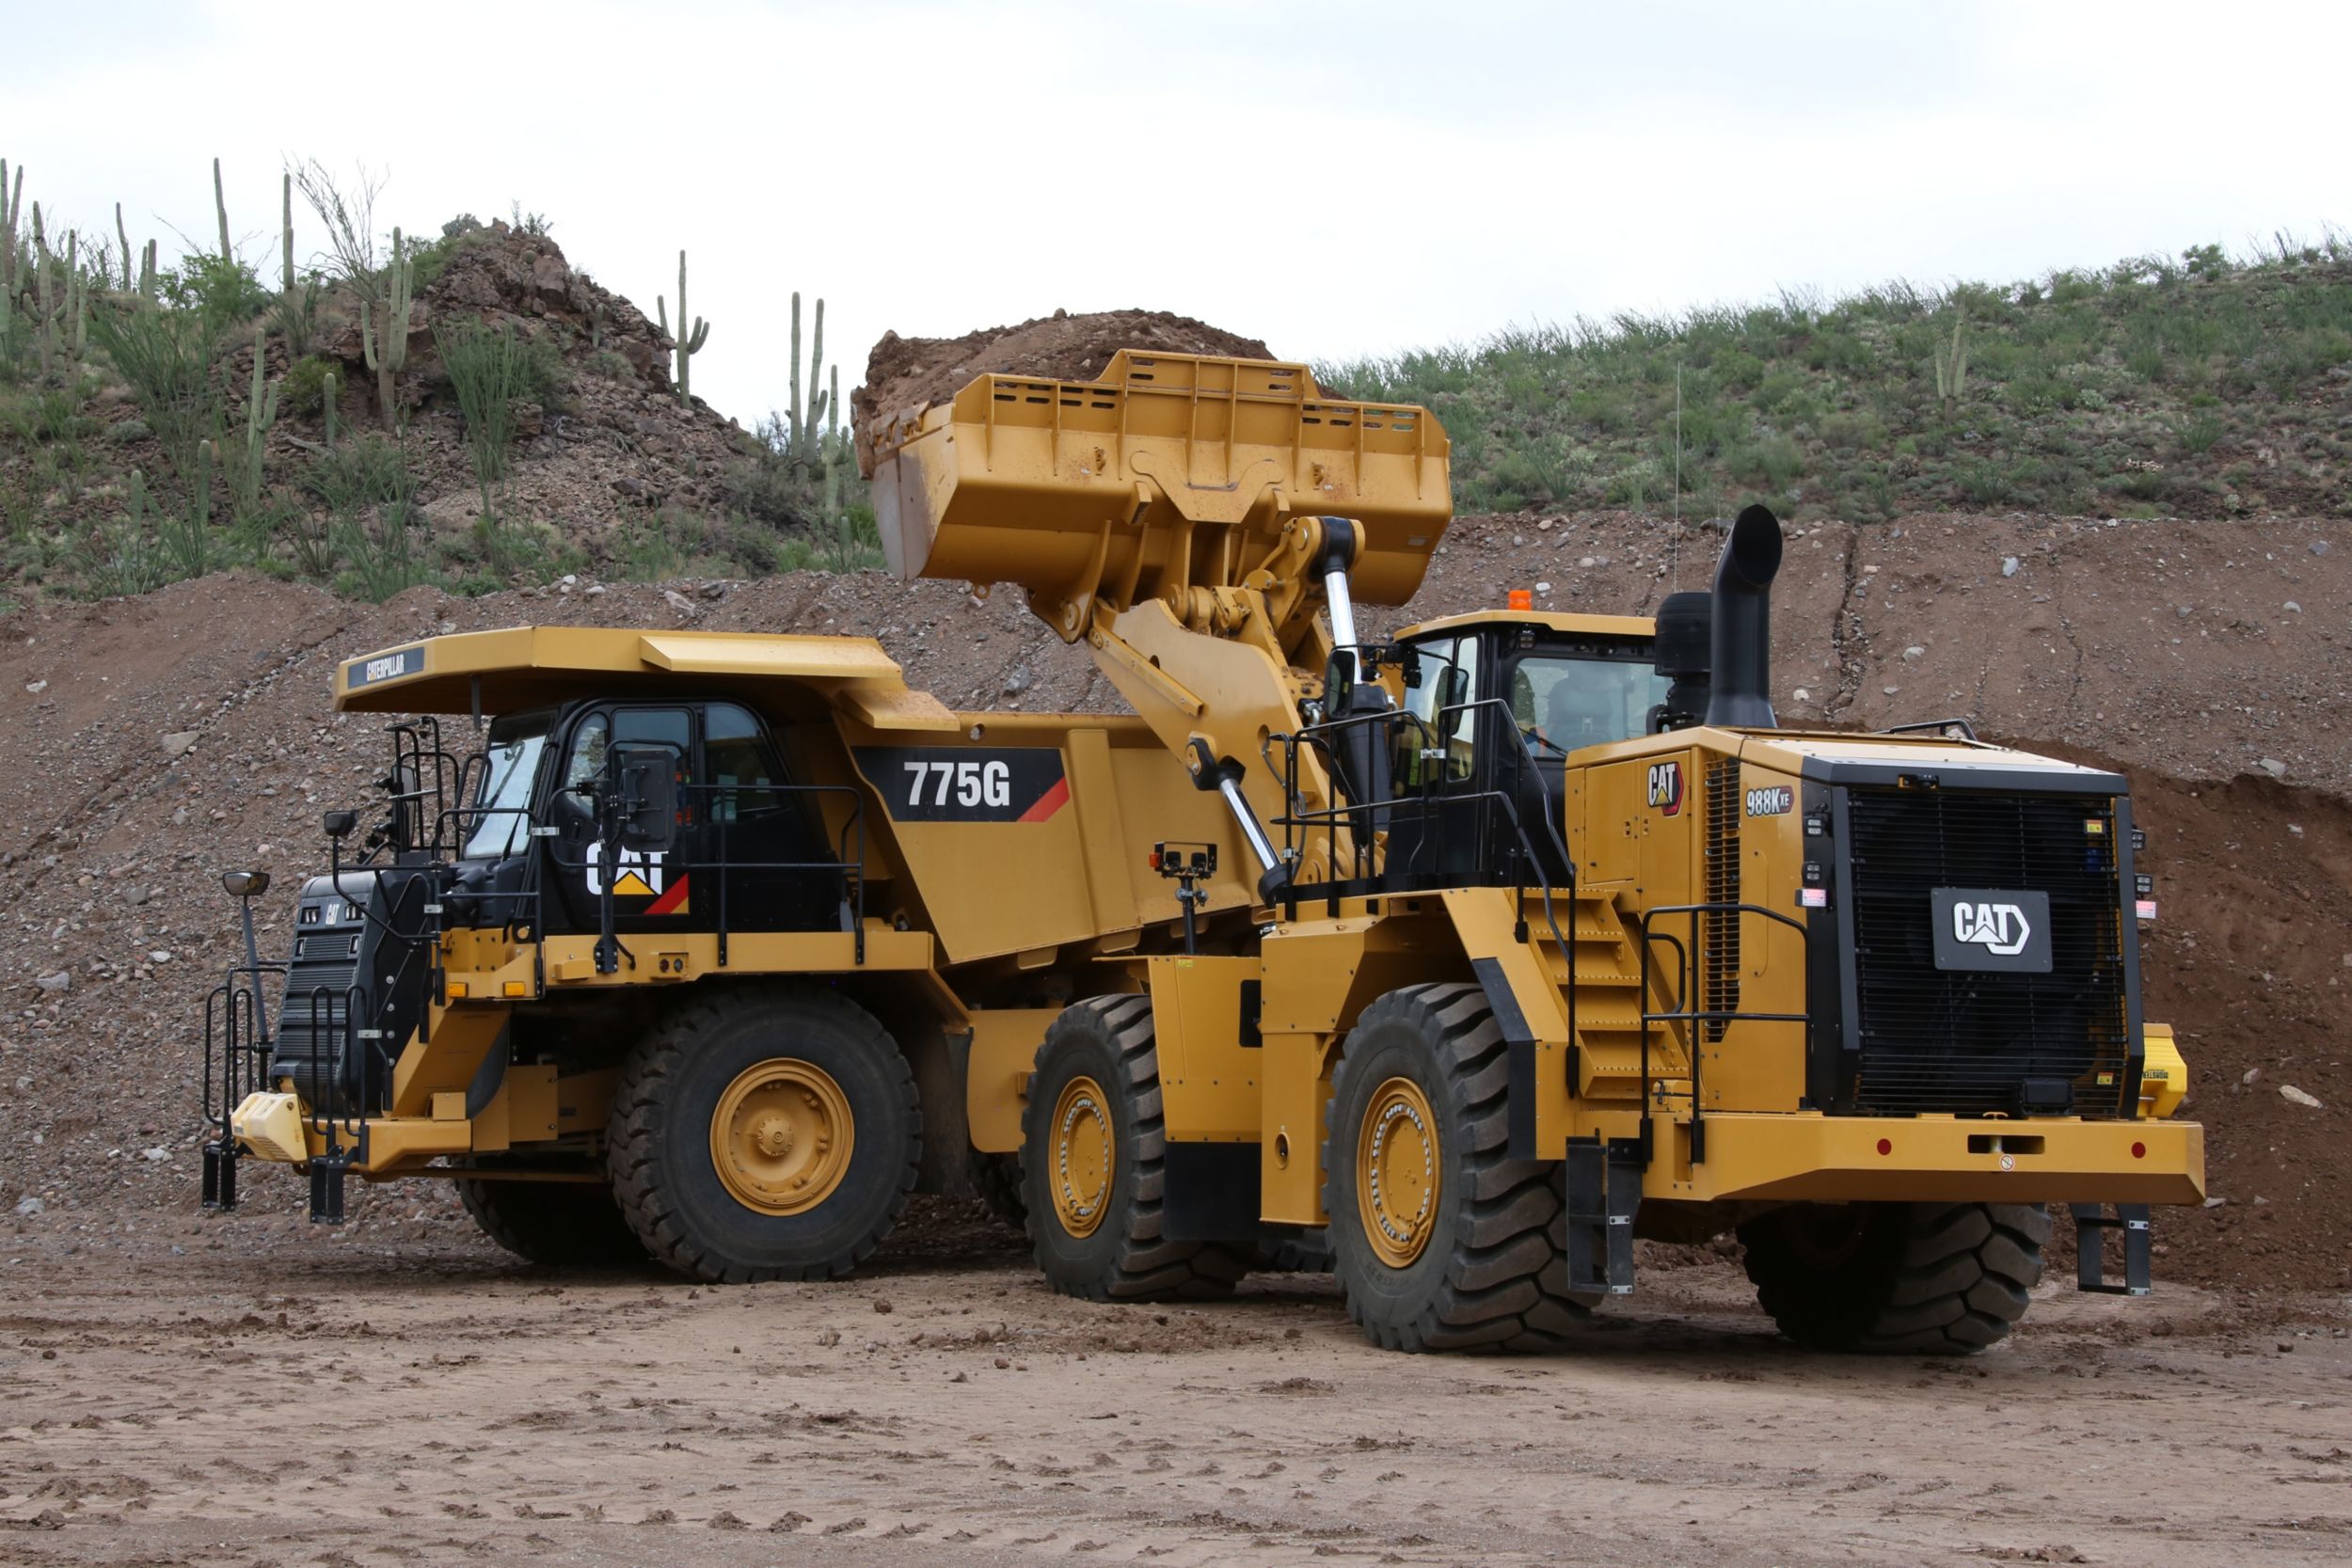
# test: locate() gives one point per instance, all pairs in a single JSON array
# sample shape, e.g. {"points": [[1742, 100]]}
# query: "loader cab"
{"points": [[749, 848], [1497, 703]]}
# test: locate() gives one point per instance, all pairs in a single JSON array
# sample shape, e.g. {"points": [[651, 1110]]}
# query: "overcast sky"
{"points": [[1336, 180]]}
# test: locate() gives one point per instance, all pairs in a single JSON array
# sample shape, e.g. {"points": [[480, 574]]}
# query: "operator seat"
{"points": [[1578, 715]]}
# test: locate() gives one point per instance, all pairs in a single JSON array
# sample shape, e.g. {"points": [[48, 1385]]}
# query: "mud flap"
{"points": [[327, 1189], [1211, 1193], [2092, 1225], [1604, 1188], [220, 1175]]}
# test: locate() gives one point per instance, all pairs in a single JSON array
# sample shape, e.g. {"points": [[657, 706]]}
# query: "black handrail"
{"points": [[1298, 821], [1687, 983]]}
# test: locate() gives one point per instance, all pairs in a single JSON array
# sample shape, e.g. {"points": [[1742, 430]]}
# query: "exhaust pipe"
{"points": [[1742, 660]]}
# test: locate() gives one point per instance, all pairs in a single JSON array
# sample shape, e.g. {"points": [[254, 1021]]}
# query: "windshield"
{"points": [[502, 824], [1576, 701]]}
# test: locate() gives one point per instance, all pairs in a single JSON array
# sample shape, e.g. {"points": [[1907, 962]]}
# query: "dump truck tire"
{"points": [[1440, 1239], [559, 1224], [765, 1133], [1094, 1151], [998, 1178], [1897, 1278]]}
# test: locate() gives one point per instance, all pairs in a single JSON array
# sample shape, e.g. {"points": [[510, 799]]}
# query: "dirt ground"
{"points": [[297, 1396]]}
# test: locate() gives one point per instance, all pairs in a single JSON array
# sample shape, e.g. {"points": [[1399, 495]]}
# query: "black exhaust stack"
{"points": [[1742, 671]]}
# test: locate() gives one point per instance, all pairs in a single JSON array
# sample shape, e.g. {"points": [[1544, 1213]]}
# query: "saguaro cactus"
{"points": [[11, 208], [285, 234], [261, 413], [1952, 368], [124, 234], [689, 343], [387, 358], [220, 205], [801, 431]]}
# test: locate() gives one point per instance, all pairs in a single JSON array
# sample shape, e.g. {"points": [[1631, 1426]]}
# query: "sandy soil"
{"points": [[342, 1400]]}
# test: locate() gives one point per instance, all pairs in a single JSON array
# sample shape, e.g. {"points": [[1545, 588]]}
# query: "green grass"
{"points": [[2149, 384]]}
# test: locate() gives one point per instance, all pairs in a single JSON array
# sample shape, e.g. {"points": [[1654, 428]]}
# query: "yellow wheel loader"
{"points": [[1458, 959]]}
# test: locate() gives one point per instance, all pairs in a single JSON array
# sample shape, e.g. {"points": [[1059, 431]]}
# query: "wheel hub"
{"points": [[1398, 1177], [1085, 1156], [781, 1136]]}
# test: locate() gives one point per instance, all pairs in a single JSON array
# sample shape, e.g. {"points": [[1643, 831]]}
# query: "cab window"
{"points": [[735, 755], [1440, 695], [1576, 701]]}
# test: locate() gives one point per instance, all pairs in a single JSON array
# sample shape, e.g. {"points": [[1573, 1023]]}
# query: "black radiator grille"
{"points": [[1967, 1041], [1722, 887], [311, 1013]]}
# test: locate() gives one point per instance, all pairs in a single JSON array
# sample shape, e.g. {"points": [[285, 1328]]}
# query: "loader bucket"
{"points": [[1172, 472]]}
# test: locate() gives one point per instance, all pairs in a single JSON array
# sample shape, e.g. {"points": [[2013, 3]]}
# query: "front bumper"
{"points": [[273, 1126], [1817, 1158]]}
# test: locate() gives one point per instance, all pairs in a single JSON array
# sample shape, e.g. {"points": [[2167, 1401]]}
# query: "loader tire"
{"points": [[1897, 1278], [1440, 1241], [770, 1133], [558, 1223], [1094, 1149], [998, 1178]]}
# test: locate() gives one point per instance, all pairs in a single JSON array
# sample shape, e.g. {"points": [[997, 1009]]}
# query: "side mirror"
{"points": [[245, 885], [1457, 686], [341, 823], [648, 799]]}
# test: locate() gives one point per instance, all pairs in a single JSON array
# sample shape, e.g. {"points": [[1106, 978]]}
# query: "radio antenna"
{"points": [[1674, 545]]}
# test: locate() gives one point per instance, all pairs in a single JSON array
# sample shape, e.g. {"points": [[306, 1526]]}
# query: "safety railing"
{"points": [[237, 1049], [1372, 824], [722, 806], [1689, 957]]}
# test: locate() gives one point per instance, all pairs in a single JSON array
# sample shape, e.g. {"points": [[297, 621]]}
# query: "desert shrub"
{"points": [[487, 368], [304, 388], [222, 292], [118, 556], [166, 357]]}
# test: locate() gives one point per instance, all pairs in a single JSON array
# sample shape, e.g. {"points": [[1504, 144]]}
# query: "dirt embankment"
{"points": [[906, 376], [155, 741]]}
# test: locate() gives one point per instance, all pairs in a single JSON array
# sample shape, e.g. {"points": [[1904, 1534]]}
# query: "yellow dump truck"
{"points": [[1469, 954]]}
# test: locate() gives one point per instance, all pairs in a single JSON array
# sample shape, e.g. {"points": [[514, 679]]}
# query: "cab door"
{"points": [[653, 891], [767, 854]]}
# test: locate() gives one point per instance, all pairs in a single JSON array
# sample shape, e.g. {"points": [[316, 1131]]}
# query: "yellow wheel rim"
{"points": [[1086, 1158], [1398, 1179], [781, 1136]]}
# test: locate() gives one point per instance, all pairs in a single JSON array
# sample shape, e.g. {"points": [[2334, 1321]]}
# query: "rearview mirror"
{"points": [[647, 806], [339, 824]]}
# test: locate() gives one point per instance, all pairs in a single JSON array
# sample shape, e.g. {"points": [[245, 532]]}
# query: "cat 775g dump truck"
{"points": [[1475, 952]]}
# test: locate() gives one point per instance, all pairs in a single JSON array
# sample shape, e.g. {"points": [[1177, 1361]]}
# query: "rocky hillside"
{"points": [[610, 469]]}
